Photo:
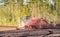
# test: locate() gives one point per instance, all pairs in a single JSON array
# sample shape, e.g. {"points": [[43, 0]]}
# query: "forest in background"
{"points": [[12, 12]]}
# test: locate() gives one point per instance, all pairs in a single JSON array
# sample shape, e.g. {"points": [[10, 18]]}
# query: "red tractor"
{"points": [[33, 23], [38, 24]]}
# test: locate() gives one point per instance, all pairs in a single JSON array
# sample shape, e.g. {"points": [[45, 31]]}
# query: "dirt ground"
{"points": [[5, 28]]}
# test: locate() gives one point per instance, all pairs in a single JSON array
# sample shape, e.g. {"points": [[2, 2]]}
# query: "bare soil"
{"points": [[5, 28]]}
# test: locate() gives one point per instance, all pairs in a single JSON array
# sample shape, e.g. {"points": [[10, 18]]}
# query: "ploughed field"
{"points": [[12, 32]]}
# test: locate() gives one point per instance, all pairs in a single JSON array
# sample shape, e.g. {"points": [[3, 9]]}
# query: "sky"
{"points": [[25, 2], [50, 2], [1, 2]]}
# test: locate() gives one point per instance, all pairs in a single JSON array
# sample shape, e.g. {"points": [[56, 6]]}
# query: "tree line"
{"points": [[13, 11]]}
